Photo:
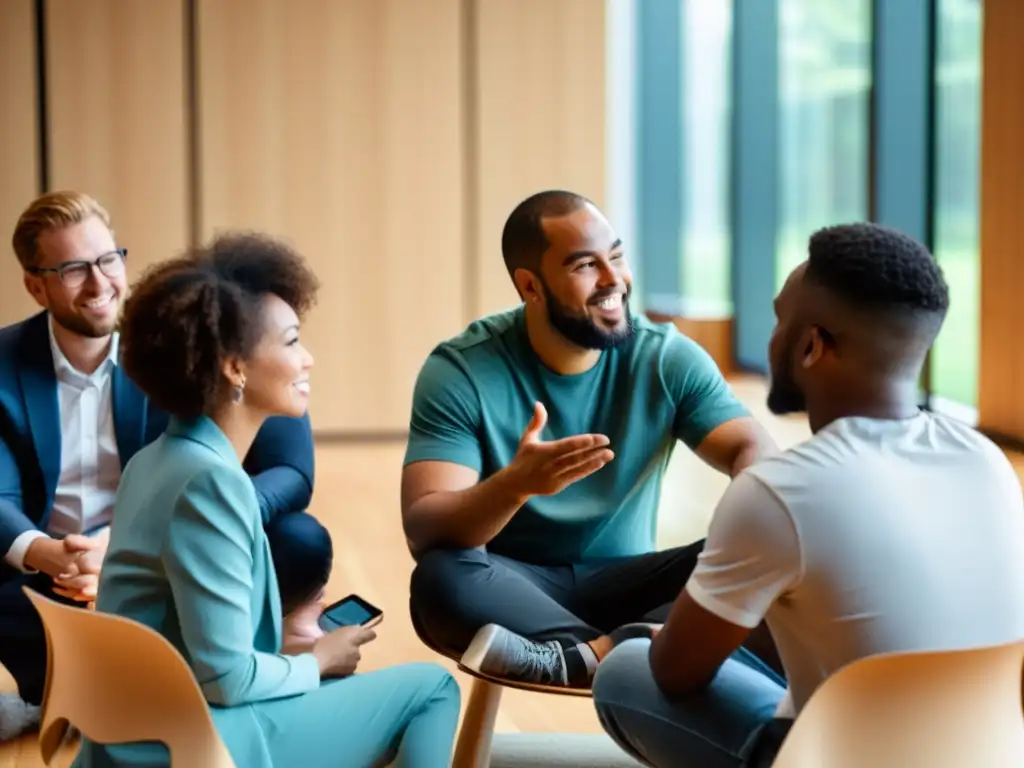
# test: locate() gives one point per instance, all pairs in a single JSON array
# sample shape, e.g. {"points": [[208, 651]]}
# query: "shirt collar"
{"points": [[62, 367]]}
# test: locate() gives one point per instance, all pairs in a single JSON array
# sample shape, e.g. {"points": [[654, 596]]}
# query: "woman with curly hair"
{"points": [[213, 339]]}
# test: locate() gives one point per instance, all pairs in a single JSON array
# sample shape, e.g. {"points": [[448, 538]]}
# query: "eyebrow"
{"points": [[577, 255]]}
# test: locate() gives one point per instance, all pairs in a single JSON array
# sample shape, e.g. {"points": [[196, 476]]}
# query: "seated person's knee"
{"points": [[437, 570], [621, 671], [303, 557]]}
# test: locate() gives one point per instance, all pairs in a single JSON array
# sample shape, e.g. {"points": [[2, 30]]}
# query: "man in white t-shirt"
{"points": [[891, 529]]}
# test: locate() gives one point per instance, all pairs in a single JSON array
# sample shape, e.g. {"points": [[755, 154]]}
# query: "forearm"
{"points": [[464, 519]]}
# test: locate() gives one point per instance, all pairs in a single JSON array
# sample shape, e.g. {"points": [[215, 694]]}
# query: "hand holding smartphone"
{"points": [[351, 611]]}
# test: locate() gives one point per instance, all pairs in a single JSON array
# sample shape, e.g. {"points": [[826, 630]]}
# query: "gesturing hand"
{"points": [[338, 651], [543, 468]]}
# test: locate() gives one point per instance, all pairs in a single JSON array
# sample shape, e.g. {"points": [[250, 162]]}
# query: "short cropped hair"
{"points": [[877, 268], [51, 212], [186, 315], [523, 241]]}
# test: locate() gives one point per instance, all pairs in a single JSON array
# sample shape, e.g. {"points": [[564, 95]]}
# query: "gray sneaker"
{"points": [[16, 717], [499, 653]]}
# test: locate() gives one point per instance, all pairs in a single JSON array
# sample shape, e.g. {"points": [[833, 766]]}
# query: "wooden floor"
{"points": [[357, 497]]}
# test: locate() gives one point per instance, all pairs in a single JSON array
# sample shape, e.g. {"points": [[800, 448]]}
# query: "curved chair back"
{"points": [[118, 681], [946, 709]]}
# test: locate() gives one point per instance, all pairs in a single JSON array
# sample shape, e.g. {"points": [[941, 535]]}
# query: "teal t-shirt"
{"points": [[475, 395]]}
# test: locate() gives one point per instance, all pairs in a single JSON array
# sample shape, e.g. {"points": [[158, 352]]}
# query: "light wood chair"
{"points": [[118, 681], [950, 709]]}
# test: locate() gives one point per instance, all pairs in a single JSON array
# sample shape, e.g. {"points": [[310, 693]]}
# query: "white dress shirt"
{"points": [[90, 466]]}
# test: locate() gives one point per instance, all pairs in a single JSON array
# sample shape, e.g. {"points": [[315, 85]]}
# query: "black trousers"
{"points": [[455, 592], [300, 547]]}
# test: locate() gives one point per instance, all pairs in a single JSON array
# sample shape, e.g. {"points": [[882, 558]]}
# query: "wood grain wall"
{"points": [[117, 123], [19, 144], [386, 139], [1001, 379], [540, 106]]}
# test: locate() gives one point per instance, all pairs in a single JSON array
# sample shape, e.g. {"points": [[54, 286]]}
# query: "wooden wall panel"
{"points": [[1001, 378], [337, 124], [118, 123], [19, 146], [540, 117]]}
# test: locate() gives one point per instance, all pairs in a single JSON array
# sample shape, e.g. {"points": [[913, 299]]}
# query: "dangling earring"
{"points": [[237, 391]]}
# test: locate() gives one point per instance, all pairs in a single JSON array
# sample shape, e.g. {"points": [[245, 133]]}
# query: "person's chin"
{"points": [[784, 404], [299, 404]]}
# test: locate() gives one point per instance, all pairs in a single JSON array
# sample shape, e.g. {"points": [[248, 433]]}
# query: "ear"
{"points": [[819, 341], [233, 371], [528, 285], [35, 288]]}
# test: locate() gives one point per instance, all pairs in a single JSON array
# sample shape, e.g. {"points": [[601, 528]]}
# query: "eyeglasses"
{"points": [[74, 273]]}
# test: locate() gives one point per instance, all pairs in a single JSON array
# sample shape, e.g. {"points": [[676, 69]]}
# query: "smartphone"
{"points": [[350, 611]]}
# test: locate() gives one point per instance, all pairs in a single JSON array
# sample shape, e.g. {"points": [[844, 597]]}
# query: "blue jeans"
{"points": [[716, 728]]}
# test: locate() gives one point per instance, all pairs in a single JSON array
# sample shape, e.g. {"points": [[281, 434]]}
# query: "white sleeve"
{"points": [[751, 556], [15, 556]]}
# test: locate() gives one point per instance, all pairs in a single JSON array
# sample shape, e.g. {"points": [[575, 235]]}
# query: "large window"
{"points": [[706, 86], [954, 362], [824, 120]]}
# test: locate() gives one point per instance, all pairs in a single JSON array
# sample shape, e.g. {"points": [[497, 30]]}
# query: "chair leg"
{"points": [[473, 749]]}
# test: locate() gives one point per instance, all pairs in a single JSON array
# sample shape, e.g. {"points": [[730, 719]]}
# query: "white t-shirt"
{"points": [[874, 536]]}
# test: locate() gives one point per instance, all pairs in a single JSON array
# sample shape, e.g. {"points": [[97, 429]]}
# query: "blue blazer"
{"points": [[189, 558], [280, 461]]}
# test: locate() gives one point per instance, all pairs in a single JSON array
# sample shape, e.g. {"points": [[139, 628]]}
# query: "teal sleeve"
{"points": [[703, 398], [446, 416], [208, 556]]}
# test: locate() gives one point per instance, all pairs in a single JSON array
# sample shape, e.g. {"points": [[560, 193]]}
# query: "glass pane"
{"points": [[706, 105], [954, 363], [824, 129]]}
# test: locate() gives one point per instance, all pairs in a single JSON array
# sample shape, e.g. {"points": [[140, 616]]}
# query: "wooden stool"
{"points": [[473, 748]]}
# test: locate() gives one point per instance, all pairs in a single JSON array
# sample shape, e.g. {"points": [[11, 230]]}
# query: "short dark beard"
{"points": [[784, 396], [83, 327], [582, 330]]}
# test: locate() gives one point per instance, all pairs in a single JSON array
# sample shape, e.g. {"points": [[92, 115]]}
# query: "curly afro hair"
{"points": [[877, 268], [186, 315]]}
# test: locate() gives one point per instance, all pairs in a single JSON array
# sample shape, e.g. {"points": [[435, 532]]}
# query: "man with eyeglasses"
{"points": [[70, 420]]}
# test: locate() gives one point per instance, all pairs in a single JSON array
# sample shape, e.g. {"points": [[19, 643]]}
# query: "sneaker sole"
{"points": [[504, 682], [473, 658], [472, 662]]}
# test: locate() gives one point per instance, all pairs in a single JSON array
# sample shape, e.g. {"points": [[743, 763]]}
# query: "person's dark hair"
{"points": [[522, 240], [185, 315], [878, 269]]}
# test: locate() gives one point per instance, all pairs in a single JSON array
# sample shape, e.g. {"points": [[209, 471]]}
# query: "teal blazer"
{"points": [[189, 558]]}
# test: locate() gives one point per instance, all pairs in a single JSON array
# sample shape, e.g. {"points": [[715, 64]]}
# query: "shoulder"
{"points": [[485, 345], [674, 354], [856, 452], [485, 332], [194, 472], [13, 336], [485, 340]]}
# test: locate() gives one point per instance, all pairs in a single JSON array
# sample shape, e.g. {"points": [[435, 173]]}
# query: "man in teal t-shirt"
{"points": [[538, 442]]}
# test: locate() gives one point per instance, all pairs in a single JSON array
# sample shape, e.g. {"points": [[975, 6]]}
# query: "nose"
{"points": [[307, 359], [607, 276], [96, 277]]}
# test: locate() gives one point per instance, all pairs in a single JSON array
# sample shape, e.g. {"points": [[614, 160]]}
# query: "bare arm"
{"points": [[735, 445], [444, 505]]}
